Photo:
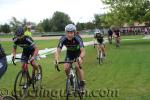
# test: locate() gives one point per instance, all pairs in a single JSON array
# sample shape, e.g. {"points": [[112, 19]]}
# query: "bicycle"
{"points": [[72, 81], [23, 80], [100, 57]]}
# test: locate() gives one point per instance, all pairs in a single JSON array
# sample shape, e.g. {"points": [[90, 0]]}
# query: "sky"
{"points": [[37, 10]]}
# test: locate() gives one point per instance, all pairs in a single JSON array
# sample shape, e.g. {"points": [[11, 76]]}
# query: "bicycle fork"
{"points": [[72, 78]]}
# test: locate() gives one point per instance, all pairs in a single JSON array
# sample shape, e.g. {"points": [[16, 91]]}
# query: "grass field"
{"points": [[125, 70]]}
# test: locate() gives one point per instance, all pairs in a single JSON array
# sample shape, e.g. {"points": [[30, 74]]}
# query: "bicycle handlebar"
{"points": [[62, 62], [96, 43], [13, 60]]}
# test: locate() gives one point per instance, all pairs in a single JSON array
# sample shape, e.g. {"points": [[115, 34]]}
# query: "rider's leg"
{"points": [[35, 67], [79, 71], [98, 49], [80, 74], [103, 49], [24, 66], [118, 41]]}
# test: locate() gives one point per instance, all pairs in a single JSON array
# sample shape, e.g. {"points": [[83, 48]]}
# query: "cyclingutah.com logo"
{"points": [[61, 93]]}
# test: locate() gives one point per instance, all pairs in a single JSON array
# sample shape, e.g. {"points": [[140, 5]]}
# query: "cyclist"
{"points": [[30, 50], [28, 31], [110, 33], [116, 34], [75, 50], [100, 39], [3, 62]]}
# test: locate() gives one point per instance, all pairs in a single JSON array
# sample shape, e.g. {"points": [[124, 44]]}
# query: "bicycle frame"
{"points": [[72, 76], [99, 49], [25, 67], [100, 54]]}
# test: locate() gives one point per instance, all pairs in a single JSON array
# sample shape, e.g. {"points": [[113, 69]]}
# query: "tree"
{"points": [[5, 28], [89, 25], [80, 26], [0, 29], [129, 11], [57, 23], [14, 23], [97, 20], [59, 20], [39, 27], [46, 25]]}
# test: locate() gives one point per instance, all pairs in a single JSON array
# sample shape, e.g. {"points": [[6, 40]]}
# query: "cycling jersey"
{"points": [[27, 44], [99, 38], [2, 53], [73, 46], [28, 33], [77, 35]]}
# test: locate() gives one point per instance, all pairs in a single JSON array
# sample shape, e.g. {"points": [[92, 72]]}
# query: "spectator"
{"points": [[28, 31]]}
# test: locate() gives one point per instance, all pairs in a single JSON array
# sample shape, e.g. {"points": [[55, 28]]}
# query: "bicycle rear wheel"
{"points": [[21, 85]]}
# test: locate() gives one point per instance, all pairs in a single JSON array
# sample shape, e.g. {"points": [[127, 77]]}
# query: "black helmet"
{"points": [[19, 31]]}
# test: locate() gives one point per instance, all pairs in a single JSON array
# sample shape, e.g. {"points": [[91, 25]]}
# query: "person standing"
{"points": [[28, 31]]}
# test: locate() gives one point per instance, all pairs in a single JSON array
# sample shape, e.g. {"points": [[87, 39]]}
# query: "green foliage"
{"points": [[5, 28], [57, 23], [128, 11]]}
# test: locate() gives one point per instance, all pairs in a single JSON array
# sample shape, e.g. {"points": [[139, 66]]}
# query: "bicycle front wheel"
{"points": [[68, 88], [101, 57], [21, 85]]}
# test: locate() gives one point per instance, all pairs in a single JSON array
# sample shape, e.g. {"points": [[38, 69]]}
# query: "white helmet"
{"points": [[70, 28], [98, 31]]}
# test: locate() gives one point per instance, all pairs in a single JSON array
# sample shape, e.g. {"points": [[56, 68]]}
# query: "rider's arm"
{"points": [[31, 42], [14, 50], [57, 54], [59, 47], [82, 54]]}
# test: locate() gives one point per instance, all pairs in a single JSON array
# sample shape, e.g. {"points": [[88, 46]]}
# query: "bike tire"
{"points": [[24, 75], [100, 57], [67, 88], [78, 90]]}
